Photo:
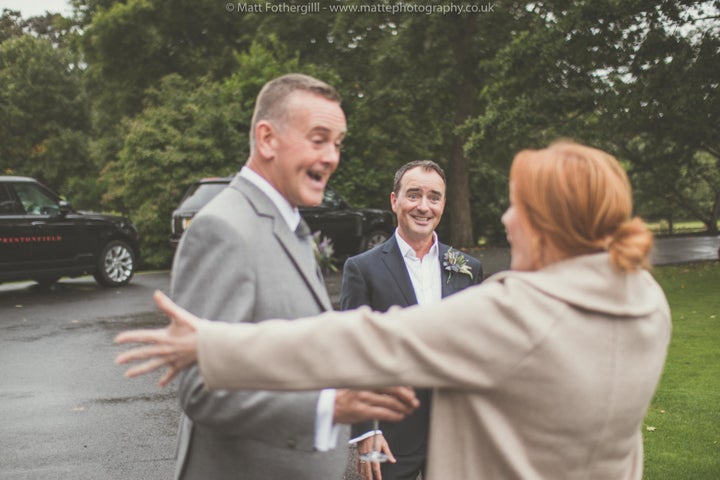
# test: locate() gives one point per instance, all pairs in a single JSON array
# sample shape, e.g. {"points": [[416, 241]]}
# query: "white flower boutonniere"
{"points": [[324, 251], [456, 262]]}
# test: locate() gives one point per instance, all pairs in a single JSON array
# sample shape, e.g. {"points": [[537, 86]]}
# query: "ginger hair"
{"points": [[579, 199]]}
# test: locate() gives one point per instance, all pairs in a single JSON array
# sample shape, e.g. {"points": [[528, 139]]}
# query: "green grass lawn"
{"points": [[682, 428], [679, 227]]}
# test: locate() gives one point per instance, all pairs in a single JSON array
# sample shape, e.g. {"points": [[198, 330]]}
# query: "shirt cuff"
{"points": [[362, 437], [326, 433]]}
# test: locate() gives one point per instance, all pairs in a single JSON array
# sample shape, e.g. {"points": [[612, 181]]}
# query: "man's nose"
{"points": [[424, 203], [331, 155]]}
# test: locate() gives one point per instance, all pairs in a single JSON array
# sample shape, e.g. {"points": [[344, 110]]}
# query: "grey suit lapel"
{"points": [[287, 239], [394, 262]]}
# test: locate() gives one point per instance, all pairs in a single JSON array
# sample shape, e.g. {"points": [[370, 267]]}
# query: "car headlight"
{"points": [[185, 223]]}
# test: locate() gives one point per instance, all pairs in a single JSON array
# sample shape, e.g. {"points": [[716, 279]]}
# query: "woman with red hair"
{"points": [[544, 371]]}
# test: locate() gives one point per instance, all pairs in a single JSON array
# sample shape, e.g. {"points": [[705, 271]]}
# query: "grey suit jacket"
{"points": [[239, 262], [379, 278]]}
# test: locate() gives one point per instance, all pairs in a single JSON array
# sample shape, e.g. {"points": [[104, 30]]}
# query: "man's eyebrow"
{"points": [[418, 189], [325, 130]]}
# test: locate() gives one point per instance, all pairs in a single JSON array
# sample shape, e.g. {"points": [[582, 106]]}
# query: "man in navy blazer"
{"points": [[411, 267]]}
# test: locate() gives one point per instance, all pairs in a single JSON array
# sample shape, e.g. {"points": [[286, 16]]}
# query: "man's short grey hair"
{"points": [[272, 100], [426, 165]]}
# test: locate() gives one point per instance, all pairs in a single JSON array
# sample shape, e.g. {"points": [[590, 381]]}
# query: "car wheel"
{"points": [[116, 264], [374, 238]]}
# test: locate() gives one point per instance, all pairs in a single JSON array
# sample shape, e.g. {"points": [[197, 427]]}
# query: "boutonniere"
{"points": [[456, 262], [324, 252]]}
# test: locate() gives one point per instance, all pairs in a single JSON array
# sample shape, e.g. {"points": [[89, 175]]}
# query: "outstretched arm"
{"points": [[175, 347]]}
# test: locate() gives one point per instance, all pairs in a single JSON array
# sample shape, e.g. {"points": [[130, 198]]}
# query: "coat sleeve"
{"points": [[215, 278], [354, 293], [366, 349], [354, 290]]}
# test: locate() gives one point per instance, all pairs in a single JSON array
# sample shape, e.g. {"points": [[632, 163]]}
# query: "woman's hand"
{"points": [[174, 346]]}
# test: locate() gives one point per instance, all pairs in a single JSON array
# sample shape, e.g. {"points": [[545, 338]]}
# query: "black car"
{"points": [[43, 238], [351, 230]]}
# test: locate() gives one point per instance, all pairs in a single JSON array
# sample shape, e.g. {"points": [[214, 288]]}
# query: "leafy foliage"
{"points": [[163, 94], [44, 112], [186, 131]]}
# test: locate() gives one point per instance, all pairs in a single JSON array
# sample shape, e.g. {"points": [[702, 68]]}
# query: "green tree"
{"points": [[130, 45], [635, 78], [187, 131], [44, 115], [667, 114], [11, 24], [466, 90], [421, 82]]}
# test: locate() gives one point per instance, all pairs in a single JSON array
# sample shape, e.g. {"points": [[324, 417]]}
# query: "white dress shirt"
{"points": [[326, 433], [426, 282], [424, 273]]}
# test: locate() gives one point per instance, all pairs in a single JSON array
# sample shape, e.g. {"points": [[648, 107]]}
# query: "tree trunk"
{"points": [[713, 227], [458, 197], [458, 171]]}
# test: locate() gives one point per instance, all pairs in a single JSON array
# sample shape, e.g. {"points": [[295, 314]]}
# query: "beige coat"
{"points": [[543, 375]]}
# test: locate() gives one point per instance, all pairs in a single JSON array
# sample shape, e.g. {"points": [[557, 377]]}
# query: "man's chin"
{"points": [[424, 228], [422, 232], [311, 200]]}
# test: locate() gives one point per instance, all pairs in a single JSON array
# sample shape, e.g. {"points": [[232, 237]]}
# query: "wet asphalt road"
{"points": [[66, 412]]}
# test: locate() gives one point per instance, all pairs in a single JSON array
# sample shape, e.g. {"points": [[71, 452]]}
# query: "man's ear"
{"points": [[265, 139], [393, 201]]}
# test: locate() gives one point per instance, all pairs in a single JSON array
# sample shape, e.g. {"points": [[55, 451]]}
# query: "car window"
{"points": [[35, 201], [8, 205], [200, 194]]}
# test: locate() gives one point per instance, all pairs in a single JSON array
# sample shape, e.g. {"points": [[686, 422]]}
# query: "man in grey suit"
{"points": [[247, 257], [412, 267]]}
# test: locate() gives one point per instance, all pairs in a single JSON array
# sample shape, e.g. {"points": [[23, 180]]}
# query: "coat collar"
{"points": [[264, 207], [592, 283]]}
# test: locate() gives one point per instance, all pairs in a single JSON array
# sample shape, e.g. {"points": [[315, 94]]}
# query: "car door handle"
{"points": [[38, 223]]}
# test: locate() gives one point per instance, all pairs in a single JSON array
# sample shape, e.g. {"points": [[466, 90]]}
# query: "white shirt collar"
{"points": [[408, 252], [290, 214], [425, 274]]}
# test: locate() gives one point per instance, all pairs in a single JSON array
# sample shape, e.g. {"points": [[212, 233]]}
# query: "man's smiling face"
{"points": [[419, 204], [307, 147]]}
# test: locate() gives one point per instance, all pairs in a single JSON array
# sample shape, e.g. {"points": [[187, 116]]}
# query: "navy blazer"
{"points": [[379, 278]]}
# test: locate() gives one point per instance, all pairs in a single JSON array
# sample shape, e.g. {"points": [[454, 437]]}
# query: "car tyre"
{"points": [[373, 239], [115, 265]]}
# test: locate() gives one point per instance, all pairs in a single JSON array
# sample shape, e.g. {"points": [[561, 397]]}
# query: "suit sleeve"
{"points": [[353, 294], [214, 277], [354, 290]]}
